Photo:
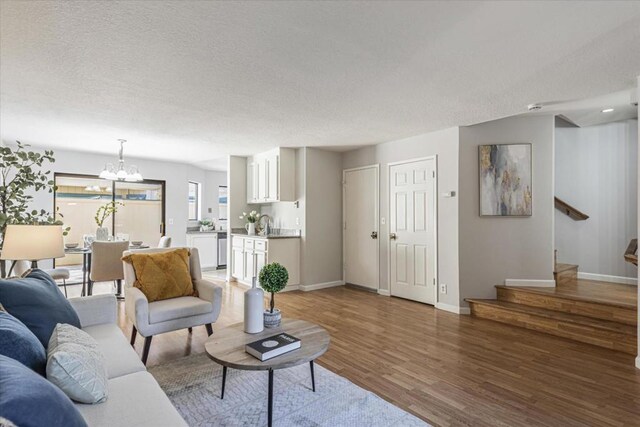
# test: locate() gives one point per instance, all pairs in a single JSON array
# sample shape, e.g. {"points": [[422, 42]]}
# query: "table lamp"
{"points": [[32, 243]]}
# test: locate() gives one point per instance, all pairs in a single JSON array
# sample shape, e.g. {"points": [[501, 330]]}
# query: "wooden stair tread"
{"points": [[565, 267], [609, 294], [560, 316]]}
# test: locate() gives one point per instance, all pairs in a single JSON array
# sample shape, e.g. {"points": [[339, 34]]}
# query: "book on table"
{"points": [[270, 347]]}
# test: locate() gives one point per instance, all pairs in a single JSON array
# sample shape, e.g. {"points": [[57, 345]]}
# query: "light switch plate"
{"points": [[170, 221], [383, 221]]}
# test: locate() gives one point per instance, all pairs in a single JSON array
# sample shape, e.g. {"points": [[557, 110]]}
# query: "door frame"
{"points": [[162, 183], [435, 220], [376, 167]]}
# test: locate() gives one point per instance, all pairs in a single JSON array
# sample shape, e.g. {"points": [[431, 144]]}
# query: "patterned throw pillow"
{"points": [[162, 275], [76, 365]]}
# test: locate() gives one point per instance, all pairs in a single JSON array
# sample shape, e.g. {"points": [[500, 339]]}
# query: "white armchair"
{"points": [[169, 315]]}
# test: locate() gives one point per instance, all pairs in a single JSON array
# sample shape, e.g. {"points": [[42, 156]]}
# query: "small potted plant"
{"points": [[206, 224], [273, 278], [251, 218], [104, 212]]}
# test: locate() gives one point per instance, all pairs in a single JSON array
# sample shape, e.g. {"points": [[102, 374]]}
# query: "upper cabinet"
{"points": [[271, 176]]}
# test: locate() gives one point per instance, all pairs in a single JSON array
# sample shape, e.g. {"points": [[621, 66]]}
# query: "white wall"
{"points": [[210, 205], [322, 242], [237, 192], [638, 231], [493, 249], [596, 171], [176, 176], [443, 144]]}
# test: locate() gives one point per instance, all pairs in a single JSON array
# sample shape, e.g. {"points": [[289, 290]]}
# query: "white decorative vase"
{"points": [[251, 228], [253, 306], [102, 234]]}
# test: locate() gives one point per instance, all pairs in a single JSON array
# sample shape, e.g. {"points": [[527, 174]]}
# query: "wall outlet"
{"points": [[297, 221], [383, 221], [443, 288]]}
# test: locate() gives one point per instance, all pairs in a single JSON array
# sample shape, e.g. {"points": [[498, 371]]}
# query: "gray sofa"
{"points": [[135, 398]]}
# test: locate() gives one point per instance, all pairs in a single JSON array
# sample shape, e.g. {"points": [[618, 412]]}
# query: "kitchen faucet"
{"points": [[266, 230]]}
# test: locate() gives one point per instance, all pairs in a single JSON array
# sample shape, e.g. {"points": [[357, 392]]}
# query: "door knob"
{"points": [[392, 236], [374, 234]]}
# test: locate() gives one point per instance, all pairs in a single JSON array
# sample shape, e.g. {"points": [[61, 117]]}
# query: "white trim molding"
{"points": [[638, 362], [607, 278], [531, 283], [317, 286], [453, 308], [384, 292]]}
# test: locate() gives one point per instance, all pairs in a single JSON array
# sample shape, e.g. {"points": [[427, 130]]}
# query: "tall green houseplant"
{"points": [[21, 175]]}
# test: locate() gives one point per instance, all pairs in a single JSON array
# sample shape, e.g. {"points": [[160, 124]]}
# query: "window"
{"points": [[194, 201]]}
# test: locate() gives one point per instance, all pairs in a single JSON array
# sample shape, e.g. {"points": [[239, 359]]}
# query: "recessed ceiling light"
{"points": [[607, 110]]}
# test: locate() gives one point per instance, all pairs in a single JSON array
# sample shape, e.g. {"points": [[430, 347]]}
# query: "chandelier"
{"points": [[122, 173]]}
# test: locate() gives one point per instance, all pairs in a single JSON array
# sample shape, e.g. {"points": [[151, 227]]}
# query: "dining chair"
{"points": [[106, 264], [22, 266], [165, 242]]}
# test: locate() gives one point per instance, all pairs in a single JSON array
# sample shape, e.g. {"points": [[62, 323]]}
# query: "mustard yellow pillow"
{"points": [[162, 275]]}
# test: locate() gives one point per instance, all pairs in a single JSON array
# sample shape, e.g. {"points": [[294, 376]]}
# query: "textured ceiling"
{"points": [[195, 81]]}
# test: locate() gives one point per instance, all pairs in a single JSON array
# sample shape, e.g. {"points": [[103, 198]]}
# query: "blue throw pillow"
{"points": [[29, 400], [38, 303], [19, 343]]}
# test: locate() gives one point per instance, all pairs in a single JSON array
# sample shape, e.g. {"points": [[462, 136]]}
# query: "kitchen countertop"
{"points": [[207, 232], [269, 237]]}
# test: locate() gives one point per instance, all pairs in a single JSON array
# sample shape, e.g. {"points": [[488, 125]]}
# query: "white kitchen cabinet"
{"points": [[271, 176], [249, 266], [250, 254], [237, 258], [207, 245]]}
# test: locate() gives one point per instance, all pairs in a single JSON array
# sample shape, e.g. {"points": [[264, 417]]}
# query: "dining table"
{"points": [[86, 263]]}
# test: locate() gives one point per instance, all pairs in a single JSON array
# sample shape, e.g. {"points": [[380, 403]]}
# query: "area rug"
{"points": [[193, 385]]}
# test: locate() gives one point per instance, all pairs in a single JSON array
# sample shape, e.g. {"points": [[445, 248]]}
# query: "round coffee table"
{"points": [[226, 347]]}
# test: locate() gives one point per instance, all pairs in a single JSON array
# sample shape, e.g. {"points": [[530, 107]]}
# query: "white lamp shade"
{"points": [[32, 242]]}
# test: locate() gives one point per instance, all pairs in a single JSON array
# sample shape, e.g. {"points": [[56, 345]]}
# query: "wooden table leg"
{"points": [[224, 380], [270, 413], [313, 379]]}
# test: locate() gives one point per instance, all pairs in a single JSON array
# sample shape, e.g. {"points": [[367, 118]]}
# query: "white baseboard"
{"points": [[291, 288], [531, 283], [607, 278], [453, 308], [384, 292], [638, 362], [316, 286]]}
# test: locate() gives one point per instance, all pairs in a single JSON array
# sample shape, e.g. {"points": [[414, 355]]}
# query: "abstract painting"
{"points": [[505, 180]]}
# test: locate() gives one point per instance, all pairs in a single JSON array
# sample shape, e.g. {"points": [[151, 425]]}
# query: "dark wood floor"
{"points": [[445, 368]]}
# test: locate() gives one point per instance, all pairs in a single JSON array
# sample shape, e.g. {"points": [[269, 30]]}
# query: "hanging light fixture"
{"points": [[121, 173]]}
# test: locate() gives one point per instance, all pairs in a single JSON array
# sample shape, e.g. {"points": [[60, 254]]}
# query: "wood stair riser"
{"points": [[582, 308], [576, 332], [566, 277]]}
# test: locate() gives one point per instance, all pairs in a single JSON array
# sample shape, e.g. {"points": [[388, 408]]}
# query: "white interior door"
{"points": [[412, 222], [361, 256]]}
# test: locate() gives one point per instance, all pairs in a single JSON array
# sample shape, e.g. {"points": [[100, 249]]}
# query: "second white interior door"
{"points": [[412, 225], [361, 227]]}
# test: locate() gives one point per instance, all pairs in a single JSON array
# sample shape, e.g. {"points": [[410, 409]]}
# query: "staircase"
{"points": [[598, 313]]}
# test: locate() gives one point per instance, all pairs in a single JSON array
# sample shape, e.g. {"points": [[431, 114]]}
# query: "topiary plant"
{"points": [[273, 278]]}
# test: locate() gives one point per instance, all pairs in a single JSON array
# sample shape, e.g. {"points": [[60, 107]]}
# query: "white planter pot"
{"points": [[251, 228], [272, 320]]}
